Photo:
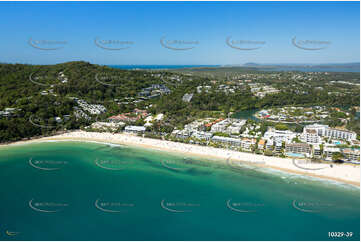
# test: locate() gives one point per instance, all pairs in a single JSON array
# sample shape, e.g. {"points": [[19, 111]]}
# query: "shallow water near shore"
{"points": [[92, 191]]}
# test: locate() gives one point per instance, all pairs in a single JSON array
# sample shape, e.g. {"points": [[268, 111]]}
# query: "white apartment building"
{"points": [[195, 125], [246, 144], [340, 134], [227, 140], [236, 127], [310, 136], [135, 129], [279, 135], [202, 135], [319, 128], [326, 131], [220, 126], [299, 148]]}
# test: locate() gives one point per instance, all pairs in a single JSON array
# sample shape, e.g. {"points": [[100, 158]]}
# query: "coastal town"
{"points": [[303, 114], [293, 131], [315, 141], [180, 121]]}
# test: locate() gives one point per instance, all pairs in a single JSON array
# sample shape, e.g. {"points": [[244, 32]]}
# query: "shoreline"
{"points": [[343, 173]]}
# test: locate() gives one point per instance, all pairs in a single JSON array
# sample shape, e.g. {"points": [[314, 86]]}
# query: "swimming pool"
{"points": [[295, 155]]}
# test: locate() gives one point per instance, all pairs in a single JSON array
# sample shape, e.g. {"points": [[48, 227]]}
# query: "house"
{"points": [[148, 124], [355, 142], [352, 155], [8, 112], [159, 117], [197, 125], [269, 144], [317, 150], [187, 97], [278, 146], [247, 143], [66, 117], [58, 119], [203, 88], [181, 134], [261, 144], [140, 112], [328, 151]]}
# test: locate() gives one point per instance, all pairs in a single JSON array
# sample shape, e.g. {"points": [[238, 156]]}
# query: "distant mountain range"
{"points": [[328, 65], [306, 67]]}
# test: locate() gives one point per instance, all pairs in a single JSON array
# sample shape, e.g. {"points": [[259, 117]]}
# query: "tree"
{"points": [[268, 153], [296, 140], [281, 127], [337, 156]]}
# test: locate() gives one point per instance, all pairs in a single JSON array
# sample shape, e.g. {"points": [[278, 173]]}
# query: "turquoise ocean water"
{"points": [[90, 191]]}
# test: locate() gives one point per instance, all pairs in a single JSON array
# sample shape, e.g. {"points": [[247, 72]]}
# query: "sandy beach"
{"points": [[345, 173]]}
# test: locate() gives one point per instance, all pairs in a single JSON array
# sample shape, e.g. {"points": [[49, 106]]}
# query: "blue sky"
{"points": [[206, 25]]}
